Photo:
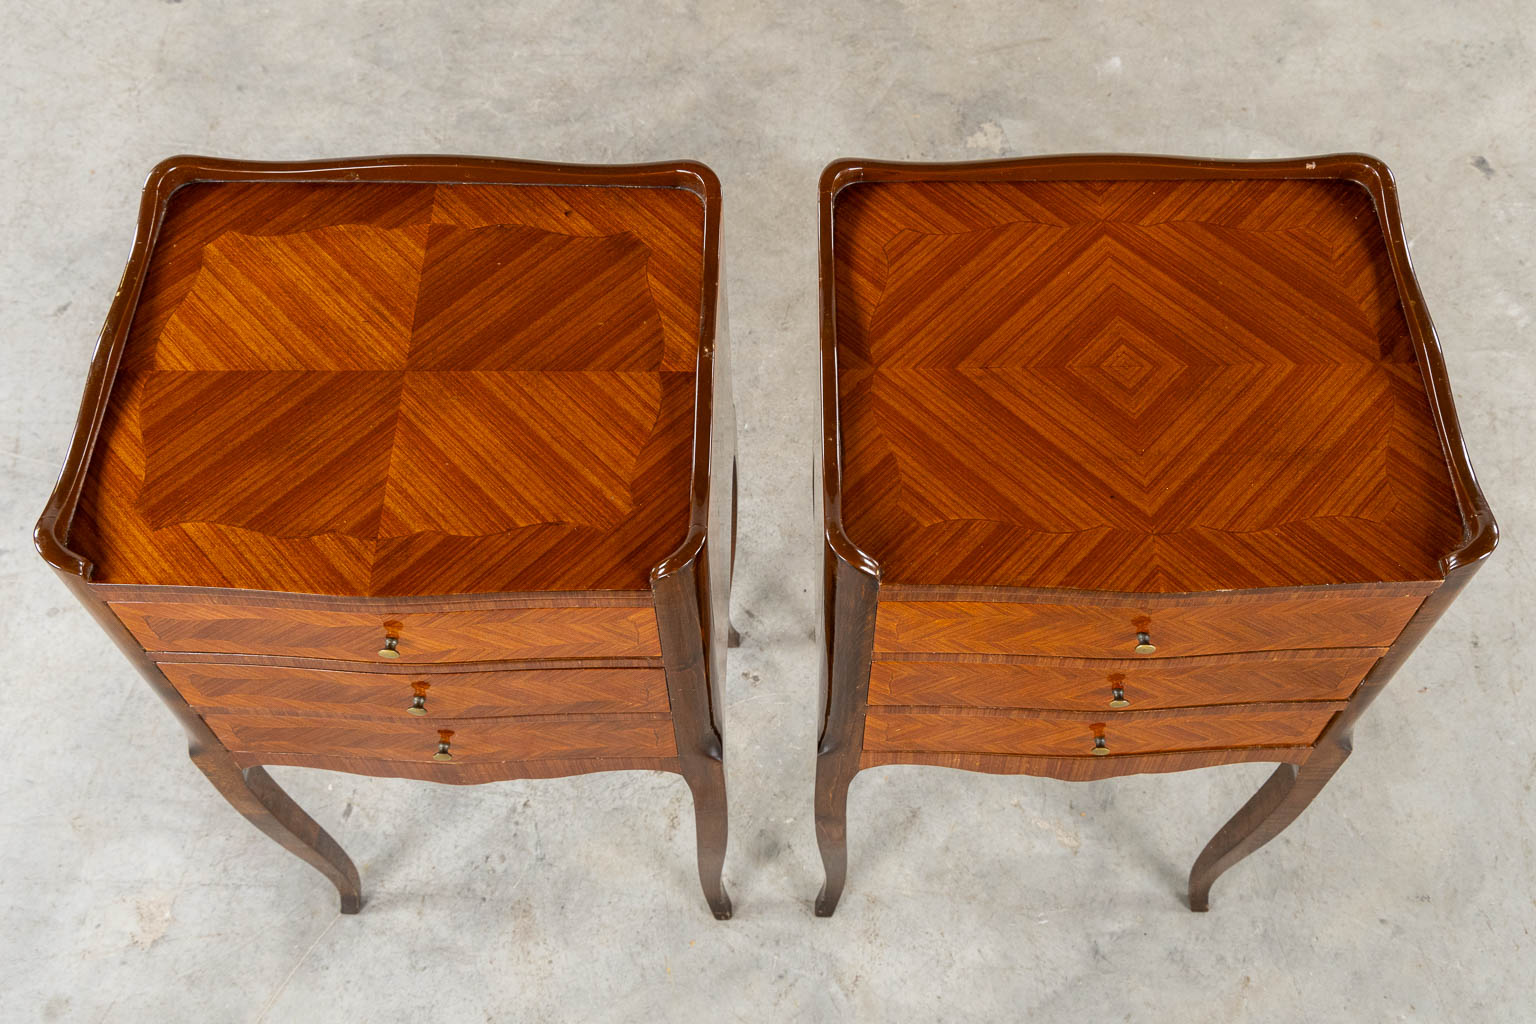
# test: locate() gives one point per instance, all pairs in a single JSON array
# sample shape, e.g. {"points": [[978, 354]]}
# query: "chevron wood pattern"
{"points": [[388, 389], [470, 740], [984, 731], [480, 694], [423, 637], [1083, 769], [1136, 386], [459, 773], [1192, 626], [1089, 685]]}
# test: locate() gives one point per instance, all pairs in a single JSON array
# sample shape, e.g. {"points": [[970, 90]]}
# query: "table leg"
{"points": [[252, 792], [1266, 814]]}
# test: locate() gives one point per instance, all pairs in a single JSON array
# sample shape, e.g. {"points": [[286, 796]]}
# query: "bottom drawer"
{"points": [[988, 731], [468, 740]]}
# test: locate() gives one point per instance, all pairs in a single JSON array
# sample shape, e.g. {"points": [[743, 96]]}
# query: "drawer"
{"points": [[481, 694], [493, 634], [1082, 684], [1102, 629], [1062, 735], [469, 740]]}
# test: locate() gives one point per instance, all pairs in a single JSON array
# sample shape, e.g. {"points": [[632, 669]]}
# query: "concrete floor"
{"points": [[131, 892]]}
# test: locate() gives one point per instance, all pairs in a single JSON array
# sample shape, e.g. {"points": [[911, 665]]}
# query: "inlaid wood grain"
{"points": [[424, 637], [481, 694], [1090, 685], [471, 740], [1202, 625], [1072, 734], [427, 389], [1084, 769], [459, 773], [1157, 386]]}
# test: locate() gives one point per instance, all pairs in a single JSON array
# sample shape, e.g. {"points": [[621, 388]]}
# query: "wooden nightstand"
{"points": [[1129, 464], [417, 467]]}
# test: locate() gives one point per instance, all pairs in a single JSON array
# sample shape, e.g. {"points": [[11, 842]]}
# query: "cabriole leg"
{"points": [[832, 781], [706, 779], [253, 793], [1267, 813]]}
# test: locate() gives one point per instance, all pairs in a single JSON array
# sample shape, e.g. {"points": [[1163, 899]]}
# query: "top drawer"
{"points": [[1200, 624], [490, 634]]}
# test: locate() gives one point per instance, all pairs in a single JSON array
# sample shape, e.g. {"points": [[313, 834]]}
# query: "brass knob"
{"points": [[1100, 748], [443, 753], [391, 648], [419, 701], [1144, 644], [1117, 698]]}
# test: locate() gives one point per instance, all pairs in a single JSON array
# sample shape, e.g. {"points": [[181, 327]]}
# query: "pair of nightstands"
{"points": [[424, 467]]}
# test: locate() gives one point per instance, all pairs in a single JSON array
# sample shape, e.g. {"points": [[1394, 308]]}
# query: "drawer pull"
{"points": [[391, 648], [1144, 644], [1100, 747], [1117, 698], [443, 753], [419, 701]]}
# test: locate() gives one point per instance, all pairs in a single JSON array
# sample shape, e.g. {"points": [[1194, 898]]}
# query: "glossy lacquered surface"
{"points": [[1197, 384], [403, 389]]}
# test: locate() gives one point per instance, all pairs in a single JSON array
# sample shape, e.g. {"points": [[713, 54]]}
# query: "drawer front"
{"points": [[1150, 732], [470, 741], [495, 634], [1091, 685], [426, 695], [1198, 626]]}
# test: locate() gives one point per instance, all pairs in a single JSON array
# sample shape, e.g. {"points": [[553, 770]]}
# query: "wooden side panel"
{"points": [[1089, 685], [1202, 626], [470, 740], [422, 637], [1000, 732], [486, 694]]}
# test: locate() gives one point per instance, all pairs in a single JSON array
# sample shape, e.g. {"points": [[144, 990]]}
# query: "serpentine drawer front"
{"points": [[1130, 464], [484, 693], [393, 637], [416, 467]]}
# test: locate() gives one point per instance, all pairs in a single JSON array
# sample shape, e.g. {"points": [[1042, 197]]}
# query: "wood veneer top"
{"points": [[397, 389], [1154, 386]]}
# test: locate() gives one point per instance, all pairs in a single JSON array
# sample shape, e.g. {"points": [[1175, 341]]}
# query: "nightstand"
{"points": [[418, 467], [1129, 464]]}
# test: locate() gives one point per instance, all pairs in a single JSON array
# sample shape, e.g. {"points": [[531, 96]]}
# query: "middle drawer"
{"points": [[488, 693], [1082, 684]]}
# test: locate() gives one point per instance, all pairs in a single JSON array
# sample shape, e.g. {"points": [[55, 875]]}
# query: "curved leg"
{"points": [[1266, 814], [733, 636], [849, 607], [832, 781], [253, 793], [709, 811]]}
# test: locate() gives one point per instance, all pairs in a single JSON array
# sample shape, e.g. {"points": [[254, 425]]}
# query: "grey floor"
{"points": [[130, 892]]}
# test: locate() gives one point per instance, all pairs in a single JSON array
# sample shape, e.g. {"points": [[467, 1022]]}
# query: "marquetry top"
{"points": [[400, 388], [1155, 385]]}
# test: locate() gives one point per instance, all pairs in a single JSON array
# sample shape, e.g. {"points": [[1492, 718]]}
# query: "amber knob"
{"points": [[1100, 747], [1144, 644], [391, 648], [443, 753]]}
